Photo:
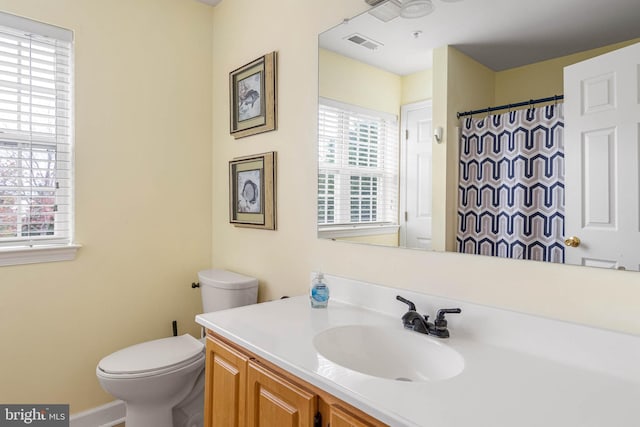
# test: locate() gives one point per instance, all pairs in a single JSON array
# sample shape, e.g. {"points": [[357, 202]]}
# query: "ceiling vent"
{"points": [[363, 41], [385, 11]]}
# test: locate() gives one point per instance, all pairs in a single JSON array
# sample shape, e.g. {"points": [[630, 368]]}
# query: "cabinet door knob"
{"points": [[572, 242]]}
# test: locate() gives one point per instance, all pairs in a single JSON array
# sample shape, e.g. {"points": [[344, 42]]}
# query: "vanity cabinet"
{"points": [[272, 400], [242, 390], [225, 385], [339, 417]]}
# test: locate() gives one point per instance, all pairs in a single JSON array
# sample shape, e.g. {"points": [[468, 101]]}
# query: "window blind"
{"points": [[35, 133], [358, 165]]}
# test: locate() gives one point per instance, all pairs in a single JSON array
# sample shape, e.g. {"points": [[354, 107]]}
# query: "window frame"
{"points": [[37, 248], [337, 166]]}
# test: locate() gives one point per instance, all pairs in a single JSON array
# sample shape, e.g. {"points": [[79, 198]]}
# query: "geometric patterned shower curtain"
{"points": [[511, 187]]}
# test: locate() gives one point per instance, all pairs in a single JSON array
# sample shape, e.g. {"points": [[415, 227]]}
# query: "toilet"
{"points": [[162, 381]]}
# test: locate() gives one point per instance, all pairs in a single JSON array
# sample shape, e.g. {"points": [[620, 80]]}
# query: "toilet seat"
{"points": [[152, 357]]}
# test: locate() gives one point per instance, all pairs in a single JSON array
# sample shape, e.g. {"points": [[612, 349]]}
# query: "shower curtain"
{"points": [[511, 187]]}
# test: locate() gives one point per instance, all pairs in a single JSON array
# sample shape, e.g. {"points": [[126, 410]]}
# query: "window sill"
{"points": [[336, 232], [38, 254]]}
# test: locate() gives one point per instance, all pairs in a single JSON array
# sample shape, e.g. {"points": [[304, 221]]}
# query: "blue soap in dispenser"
{"points": [[319, 293]]}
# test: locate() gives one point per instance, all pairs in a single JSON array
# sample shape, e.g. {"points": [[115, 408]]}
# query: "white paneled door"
{"points": [[602, 120], [415, 176]]}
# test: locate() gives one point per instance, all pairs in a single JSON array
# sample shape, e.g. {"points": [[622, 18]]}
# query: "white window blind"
{"points": [[358, 165], [35, 133]]}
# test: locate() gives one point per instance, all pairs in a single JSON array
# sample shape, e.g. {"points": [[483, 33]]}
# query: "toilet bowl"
{"points": [[162, 381], [153, 377], [190, 412]]}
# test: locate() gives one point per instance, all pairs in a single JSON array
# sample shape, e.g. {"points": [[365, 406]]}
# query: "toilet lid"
{"points": [[152, 355]]}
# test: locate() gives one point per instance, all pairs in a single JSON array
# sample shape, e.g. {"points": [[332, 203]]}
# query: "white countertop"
{"points": [[499, 386]]}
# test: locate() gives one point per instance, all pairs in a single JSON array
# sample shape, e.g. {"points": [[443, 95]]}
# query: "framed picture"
{"points": [[252, 94], [252, 191]]}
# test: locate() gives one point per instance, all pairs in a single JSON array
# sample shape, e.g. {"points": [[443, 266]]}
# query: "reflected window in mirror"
{"points": [[358, 169]]}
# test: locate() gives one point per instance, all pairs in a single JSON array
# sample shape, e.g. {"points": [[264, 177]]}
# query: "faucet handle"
{"points": [[442, 312], [412, 306], [441, 322]]}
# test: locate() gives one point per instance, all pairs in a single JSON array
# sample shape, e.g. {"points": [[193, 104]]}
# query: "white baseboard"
{"points": [[107, 415]]}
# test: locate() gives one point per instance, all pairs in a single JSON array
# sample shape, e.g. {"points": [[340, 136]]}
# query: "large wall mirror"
{"points": [[489, 127]]}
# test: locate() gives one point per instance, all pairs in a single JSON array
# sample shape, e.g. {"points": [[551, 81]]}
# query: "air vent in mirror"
{"points": [[363, 41]]}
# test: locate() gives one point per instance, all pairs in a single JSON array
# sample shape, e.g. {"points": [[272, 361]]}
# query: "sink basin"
{"points": [[395, 354]]}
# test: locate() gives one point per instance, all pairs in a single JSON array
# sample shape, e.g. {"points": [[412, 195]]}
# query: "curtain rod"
{"points": [[530, 102]]}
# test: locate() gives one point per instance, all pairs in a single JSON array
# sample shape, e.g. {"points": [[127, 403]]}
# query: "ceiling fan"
{"points": [[386, 10]]}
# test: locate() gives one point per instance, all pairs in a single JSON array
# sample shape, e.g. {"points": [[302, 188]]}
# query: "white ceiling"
{"points": [[501, 34]]}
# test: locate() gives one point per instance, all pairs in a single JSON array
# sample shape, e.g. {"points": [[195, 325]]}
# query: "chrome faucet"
{"points": [[416, 322]]}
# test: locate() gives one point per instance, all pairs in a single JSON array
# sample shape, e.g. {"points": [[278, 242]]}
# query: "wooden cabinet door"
{"points": [[225, 385], [340, 417], [273, 401]]}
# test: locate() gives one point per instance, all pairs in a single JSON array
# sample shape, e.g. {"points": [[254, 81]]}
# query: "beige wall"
{"points": [[542, 79], [347, 80], [282, 259], [143, 176], [353, 82], [417, 87], [440, 151]]}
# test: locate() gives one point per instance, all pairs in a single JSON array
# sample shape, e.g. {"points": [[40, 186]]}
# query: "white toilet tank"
{"points": [[223, 289]]}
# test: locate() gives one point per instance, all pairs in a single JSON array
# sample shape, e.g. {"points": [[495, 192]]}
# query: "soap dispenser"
{"points": [[319, 292]]}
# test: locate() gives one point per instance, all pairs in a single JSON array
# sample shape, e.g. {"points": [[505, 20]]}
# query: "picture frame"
{"points": [[252, 97], [252, 191]]}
